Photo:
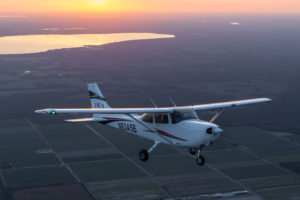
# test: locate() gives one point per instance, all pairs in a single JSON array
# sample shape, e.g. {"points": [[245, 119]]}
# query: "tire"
{"points": [[192, 151], [143, 155], [200, 160]]}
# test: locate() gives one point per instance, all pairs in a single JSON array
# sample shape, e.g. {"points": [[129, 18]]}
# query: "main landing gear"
{"points": [[200, 160], [144, 154]]}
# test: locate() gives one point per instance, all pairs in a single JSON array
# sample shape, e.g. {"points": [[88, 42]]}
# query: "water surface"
{"points": [[24, 44]]}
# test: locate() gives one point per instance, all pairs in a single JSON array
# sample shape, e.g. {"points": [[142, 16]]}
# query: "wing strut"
{"points": [[155, 105], [216, 115], [173, 102]]}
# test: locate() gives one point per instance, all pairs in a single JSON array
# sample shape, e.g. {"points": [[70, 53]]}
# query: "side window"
{"points": [[174, 117], [147, 118], [161, 118]]}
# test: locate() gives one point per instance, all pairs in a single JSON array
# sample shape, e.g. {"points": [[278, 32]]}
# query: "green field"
{"points": [[198, 183], [286, 157], [68, 137], [92, 158], [253, 171], [229, 157], [106, 170], [59, 192], [272, 181], [260, 141], [19, 146], [170, 165], [37, 176], [133, 188], [292, 192]]}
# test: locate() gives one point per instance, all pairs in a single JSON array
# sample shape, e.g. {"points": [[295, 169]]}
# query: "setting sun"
{"points": [[98, 2], [167, 6]]}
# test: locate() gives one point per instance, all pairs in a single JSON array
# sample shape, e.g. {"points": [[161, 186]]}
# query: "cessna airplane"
{"points": [[178, 126]]}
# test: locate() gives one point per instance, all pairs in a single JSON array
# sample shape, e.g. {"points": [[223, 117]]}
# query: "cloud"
{"points": [[50, 29], [66, 29], [12, 16], [74, 29], [235, 23]]}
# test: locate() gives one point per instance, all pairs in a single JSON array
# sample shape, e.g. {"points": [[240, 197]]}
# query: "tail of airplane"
{"points": [[97, 98], [97, 101]]}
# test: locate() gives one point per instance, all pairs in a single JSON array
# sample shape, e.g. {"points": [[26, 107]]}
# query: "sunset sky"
{"points": [[175, 6]]}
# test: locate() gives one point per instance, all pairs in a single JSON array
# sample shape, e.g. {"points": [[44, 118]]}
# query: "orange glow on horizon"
{"points": [[165, 6]]}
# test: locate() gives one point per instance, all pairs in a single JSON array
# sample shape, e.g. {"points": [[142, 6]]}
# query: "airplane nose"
{"points": [[217, 130], [214, 130]]}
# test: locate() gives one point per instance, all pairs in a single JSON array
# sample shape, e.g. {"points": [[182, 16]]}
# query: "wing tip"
{"points": [[42, 111], [267, 99]]}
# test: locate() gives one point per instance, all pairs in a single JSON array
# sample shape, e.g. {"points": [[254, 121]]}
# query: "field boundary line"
{"points": [[3, 179], [54, 152], [130, 160]]}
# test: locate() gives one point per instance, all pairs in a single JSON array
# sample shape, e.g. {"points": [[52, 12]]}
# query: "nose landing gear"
{"points": [[200, 160], [192, 151]]}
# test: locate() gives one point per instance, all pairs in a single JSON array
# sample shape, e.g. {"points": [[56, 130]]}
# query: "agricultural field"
{"points": [[89, 161], [57, 192]]}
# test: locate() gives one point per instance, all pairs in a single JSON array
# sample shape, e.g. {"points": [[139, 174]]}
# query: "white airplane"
{"points": [[178, 126]]}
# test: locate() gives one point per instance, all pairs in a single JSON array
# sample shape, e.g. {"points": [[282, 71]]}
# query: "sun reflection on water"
{"points": [[40, 43]]}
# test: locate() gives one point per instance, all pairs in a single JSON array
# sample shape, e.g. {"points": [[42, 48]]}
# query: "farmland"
{"points": [[42, 161]]}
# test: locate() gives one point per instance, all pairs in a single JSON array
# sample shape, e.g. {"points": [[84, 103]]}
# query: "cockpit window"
{"points": [[180, 115], [147, 117], [161, 118]]}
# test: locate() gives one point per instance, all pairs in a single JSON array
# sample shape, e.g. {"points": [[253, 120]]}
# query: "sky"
{"points": [[162, 6]]}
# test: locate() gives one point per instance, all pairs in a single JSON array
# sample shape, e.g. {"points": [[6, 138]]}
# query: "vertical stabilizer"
{"points": [[97, 98]]}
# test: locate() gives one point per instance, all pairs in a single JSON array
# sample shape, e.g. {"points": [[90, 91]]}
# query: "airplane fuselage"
{"points": [[187, 133]]}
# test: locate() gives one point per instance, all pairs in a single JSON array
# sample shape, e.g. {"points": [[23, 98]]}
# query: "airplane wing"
{"points": [[230, 104], [54, 111]]}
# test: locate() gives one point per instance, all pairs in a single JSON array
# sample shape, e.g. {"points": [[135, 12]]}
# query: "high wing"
{"points": [[230, 104], [211, 106]]}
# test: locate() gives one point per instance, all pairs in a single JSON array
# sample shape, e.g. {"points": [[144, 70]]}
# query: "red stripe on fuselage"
{"points": [[168, 135]]}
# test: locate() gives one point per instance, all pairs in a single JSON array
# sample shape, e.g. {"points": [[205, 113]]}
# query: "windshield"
{"points": [[180, 115], [147, 117]]}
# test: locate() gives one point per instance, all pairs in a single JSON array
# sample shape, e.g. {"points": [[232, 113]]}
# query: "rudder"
{"points": [[96, 97]]}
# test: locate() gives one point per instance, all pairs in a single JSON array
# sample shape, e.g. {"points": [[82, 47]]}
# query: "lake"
{"points": [[25, 44]]}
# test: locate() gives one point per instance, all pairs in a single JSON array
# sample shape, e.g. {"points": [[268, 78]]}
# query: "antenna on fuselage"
{"points": [[153, 103], [173, 102]]}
